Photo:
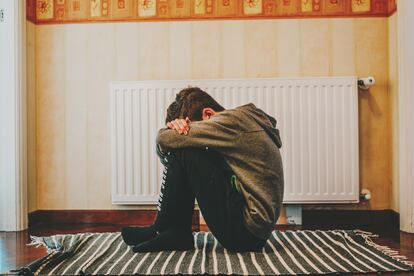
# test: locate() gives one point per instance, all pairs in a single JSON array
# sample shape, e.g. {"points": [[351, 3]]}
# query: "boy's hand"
{"points": [[180, 125]]}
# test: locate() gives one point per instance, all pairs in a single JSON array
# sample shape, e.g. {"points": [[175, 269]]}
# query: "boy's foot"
{"points": [[133, 235], [170, 239]]}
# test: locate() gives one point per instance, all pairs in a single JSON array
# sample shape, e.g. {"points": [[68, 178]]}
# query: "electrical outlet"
{"points": [[1, 15]]}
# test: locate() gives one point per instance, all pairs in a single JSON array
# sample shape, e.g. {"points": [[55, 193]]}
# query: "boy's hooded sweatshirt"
{"points": [[248, 140]]}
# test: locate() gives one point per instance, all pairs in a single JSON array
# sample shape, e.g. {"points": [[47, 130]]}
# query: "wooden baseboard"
{"points": [[350, 217], [379, 221], [385, 222], [99, 217]]}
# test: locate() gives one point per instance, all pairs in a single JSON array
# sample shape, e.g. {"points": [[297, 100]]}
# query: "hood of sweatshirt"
{"points": [[264, 120]]}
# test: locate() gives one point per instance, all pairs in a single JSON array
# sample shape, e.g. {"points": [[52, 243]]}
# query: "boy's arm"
{"points": [[219, 132]]}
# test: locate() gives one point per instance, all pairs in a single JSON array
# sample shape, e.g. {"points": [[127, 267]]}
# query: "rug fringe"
{"points": [[39, 241], [36, 241], [394, 254]]}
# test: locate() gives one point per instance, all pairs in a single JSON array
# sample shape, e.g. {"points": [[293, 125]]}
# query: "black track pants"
{"points": [[204, 175]]}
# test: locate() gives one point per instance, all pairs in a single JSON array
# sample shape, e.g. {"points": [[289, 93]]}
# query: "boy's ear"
{"points": [[207, 113]]}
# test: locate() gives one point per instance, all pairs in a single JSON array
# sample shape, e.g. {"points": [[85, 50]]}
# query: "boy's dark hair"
{"points": [[190, 103]]}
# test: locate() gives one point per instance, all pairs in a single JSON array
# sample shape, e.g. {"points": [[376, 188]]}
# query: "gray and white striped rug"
{"points": [[286, 253]]}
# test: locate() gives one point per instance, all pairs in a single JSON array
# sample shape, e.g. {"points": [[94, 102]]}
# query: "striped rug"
{"points": [[286, 253]]}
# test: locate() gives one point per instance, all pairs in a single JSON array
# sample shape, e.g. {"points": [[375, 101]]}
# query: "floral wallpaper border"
{"points": [[83, 11]]}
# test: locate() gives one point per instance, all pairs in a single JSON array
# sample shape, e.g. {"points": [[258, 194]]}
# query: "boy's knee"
{"points": [[187, 153], [190, 158]]}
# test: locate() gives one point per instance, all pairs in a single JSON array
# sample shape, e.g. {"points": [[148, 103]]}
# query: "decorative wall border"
{"points": [[84, 11]]}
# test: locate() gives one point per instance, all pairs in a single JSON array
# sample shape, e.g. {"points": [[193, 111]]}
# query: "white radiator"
{"points": [[317, 118]]}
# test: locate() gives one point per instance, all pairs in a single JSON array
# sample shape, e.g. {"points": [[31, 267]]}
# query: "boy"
{"points": [[228, 160]]}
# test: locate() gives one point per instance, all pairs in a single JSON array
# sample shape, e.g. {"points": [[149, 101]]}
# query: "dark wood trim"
{"points": [[377, 221], [343, 218], [99, 217]]}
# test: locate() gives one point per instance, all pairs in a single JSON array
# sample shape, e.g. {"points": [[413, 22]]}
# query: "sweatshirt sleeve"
{"points": [[219, 132]]}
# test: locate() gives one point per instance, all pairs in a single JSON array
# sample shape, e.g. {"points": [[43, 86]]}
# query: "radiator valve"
{"points": [[365, 194], [366, 83]]}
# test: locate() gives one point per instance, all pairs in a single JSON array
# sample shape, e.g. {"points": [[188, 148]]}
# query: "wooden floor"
{"points": [[15, 253]]}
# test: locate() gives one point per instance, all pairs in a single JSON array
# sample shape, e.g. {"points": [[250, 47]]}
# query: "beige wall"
{"points": [[31, 116], [75, 62], [393, 90]]}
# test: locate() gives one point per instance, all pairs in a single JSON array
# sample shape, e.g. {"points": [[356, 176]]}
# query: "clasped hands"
{"points": [[180, 125]]}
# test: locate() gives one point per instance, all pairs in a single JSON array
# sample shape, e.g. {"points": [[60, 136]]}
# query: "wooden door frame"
{"points": [[405, 21]]}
